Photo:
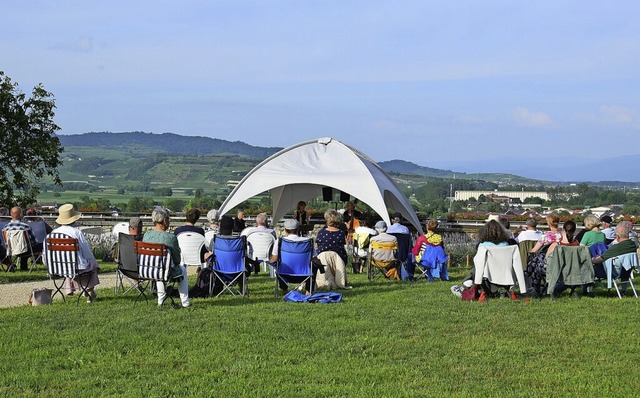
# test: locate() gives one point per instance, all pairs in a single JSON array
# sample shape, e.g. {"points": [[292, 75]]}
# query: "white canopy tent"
{"points": [[301, 171]]}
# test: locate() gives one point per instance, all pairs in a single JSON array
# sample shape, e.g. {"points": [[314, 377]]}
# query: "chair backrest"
{"points": [[597, 249], [627, 261], [525, 247], [229, 253], [17, 241], [208, 237], [383, 251], [260, 245], [127, 260], [121, 227], [38, 227], [191, 244], [154, 260], [404, 246], [61, 255], [294, 257], [361, 240]]}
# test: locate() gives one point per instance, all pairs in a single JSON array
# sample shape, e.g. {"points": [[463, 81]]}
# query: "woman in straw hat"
{"points": [[67, 218]]}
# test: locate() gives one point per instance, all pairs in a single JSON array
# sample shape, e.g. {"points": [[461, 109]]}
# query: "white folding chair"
{"points": [[121, 227], [191, 245], [620, 267], [259, 247]]}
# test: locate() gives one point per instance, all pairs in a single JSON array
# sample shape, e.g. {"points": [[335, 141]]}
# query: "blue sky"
{"points": [[424, 81]]}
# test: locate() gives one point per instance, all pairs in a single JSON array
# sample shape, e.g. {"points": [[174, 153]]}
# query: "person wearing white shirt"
{"points": [[531, 233]]}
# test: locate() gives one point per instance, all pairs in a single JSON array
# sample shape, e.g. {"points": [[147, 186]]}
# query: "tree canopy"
{"points": [[30, 148]]}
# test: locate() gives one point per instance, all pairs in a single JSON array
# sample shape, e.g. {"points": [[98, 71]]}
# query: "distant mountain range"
{"points": [[562, 169], [509, 170]]}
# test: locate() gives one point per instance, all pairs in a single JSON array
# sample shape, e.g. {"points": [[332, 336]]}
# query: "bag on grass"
{"points": [[470, 294], [201, 288], [295, 296], [40, 297]]}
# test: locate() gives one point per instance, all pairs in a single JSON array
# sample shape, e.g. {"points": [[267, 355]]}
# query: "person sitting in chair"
{"points": [[192, 216], [290, 233], [385, 256], [330, 243], [159, 234], [16, 224], [67, 218]]}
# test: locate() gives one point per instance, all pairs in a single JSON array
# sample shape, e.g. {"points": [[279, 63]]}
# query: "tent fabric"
{"points": [[299, 172]]}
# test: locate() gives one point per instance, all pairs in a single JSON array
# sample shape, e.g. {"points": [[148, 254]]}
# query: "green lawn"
{"points": [[386, 339]]}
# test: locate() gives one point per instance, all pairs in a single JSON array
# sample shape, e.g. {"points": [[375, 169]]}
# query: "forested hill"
{"points": [[167, 143], [404, 167]]}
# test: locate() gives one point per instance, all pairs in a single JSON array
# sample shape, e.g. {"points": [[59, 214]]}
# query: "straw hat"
{"points": [[67, 214]]}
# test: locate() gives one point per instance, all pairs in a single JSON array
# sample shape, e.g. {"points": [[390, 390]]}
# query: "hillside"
{"points": [[165, 143], [99, 150]]}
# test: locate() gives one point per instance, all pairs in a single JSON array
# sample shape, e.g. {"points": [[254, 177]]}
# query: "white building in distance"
{"points": [[522, 195]]}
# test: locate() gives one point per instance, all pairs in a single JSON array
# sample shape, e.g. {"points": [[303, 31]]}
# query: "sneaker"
{"points": [[186, 305], [514, 296], [456, 291]]}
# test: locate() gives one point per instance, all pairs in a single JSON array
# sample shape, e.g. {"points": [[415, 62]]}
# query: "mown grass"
{"points": [[386, 339]]}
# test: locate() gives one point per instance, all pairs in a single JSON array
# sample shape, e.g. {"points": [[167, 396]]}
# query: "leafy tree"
{"points": [[30, 148]]}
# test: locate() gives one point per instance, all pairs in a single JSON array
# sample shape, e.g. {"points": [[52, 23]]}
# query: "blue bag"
{"points": [[295, 296]]}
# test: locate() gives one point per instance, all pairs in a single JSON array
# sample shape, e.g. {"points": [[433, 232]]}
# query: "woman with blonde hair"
{"points": [[330, 246], [593, 234]]}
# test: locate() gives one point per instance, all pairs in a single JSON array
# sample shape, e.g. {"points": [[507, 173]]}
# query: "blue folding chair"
{"points": [[228, 266], [404, 254], [294, 265]]}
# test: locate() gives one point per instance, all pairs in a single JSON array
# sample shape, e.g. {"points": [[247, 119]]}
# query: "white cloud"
{"points": [[617, 114], [84, 45], [530, 118]]}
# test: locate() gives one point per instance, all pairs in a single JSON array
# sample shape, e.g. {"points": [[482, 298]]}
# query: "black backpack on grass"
{"points": [[201, 288]]}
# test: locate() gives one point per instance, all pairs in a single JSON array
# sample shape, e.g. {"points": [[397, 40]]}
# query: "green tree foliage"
{"points": [[166, 191], [138, 204], [30, 148]]}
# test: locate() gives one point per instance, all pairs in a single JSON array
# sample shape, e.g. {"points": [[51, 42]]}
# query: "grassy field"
{"points": [[386, 339]]}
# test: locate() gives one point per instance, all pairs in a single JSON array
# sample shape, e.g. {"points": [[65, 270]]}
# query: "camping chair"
{"points": [[62, 259], [360, 251], [570, 266], [621, 268], [378, 263], [433, 264], [18, 245], [127, 266], [498, 266], [404, 249], [154, 265], [294, 265], [39, 228], [259, 247], [229, 271], [191, 246]]}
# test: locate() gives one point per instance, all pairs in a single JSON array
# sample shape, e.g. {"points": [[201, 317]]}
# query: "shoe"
{"points": [[456, 291], [514, 296], [576, 295], [348, 287], [186, 305], [483, 296], [92, 297]]}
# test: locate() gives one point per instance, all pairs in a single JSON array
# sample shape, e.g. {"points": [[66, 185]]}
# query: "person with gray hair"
{"points": [[159, 234], [624, 245], [262, 225], [531, 233], [383, 237]]}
